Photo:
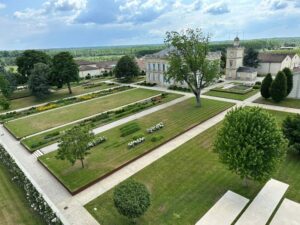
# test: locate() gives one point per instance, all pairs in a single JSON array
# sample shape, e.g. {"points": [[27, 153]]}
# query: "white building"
{"points": [[295, 93], [94, 68], [157, 64]]}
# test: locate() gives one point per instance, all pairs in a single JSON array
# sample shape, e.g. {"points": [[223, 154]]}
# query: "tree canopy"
{"points": [[189, 61], [291, 130], [278, 88], [289, 80], [251, 58], [74, 145], [38, 81], [127, 68], [64, 70], [250, 143], [265, 86]]}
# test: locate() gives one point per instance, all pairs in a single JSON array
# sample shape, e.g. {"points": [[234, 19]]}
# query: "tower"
{"points": [[235, 55]]}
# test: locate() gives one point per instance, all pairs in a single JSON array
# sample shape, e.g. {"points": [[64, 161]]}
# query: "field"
{"points": [[41, 140], [114, 153], [288, 102], [187, 182], [13, 206], [29, 125]]}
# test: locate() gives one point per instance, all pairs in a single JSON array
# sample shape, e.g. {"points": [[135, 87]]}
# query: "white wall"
{"points": [[295, 93], [83, 74]]}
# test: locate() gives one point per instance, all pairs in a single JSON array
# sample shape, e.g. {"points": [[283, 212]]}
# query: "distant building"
{"points": [[235, 70], [157, 64], [295, 93], [94, 68]]}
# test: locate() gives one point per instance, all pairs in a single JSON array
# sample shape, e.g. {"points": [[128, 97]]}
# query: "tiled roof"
{"points": [[271, 57], [246, 69]]}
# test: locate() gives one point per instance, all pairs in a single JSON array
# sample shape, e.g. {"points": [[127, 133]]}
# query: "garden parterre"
{"points": [[114, 153]]}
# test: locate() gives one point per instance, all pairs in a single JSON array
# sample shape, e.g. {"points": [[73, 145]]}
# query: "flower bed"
{"points": [[34, 198], [237, 89], [177, 88], [136, 142], [146, 84], [60, 103], [93, 85], [97, 141], [155, 128]]}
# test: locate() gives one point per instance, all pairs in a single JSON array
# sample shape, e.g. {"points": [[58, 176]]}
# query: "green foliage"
{"points": [[251, 58], [278, 88], [129, 129], [250, 143], [291, 130], [74, 145], [127, 68], [38, 82], [289, 79], [266, 85], [188, 60], [4, 103], [27, 59], [132, 199], [64, 70]]}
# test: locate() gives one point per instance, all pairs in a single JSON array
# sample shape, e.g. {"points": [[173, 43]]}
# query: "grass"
{"points": [[58, 94], [13, 206], [289, 102], [234, 96], [114, 152], [29, 125], [187, 182], [31, 142]]}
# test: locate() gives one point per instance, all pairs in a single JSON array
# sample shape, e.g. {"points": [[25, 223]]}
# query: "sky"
{"points": [[33, 24]]}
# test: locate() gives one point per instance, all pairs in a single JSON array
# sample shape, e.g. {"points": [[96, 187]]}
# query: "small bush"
{"points": [[156, 138]]}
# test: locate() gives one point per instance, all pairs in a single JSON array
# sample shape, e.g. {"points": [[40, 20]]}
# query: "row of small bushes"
{"points": [[94, 85], [147, 84], [129, 129], [34, 198], [60, 103], [178, 88]]}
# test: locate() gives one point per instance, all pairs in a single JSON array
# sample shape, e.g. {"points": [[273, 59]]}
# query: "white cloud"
{"points": [[2, 6]]}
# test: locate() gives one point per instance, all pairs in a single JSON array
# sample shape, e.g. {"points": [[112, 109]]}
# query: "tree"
{"points": [[74, 145], [278, 88], [38, 81], [127, 68], [265, 86], [188, 60], [64, 70], [132, 199], [251, 58], [289, 80], [291, 130], [26, 62], [250, 143]]}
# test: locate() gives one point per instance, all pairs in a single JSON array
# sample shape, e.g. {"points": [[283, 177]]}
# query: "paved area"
{"points": [[287, 214], [264, 204], [225, 210]]}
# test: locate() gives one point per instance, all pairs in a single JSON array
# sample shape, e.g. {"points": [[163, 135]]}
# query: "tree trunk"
{"points": [[69, 87], [82, 164], [198, 99]]}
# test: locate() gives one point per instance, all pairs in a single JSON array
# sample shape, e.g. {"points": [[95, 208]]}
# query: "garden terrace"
{"points": [[44, 139], [187, 182], [288, 102], [115, 153], [36, 123], [23, 98]]}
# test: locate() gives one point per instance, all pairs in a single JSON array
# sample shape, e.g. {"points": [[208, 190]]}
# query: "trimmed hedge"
{"points": [[34, 198]]}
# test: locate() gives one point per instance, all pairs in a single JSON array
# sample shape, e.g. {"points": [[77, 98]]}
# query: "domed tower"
{"points": [[235, 56]]}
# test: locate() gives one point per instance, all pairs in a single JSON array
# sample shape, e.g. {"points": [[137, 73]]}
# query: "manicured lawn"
{"points": [[59, 94], [187, 182], [289, 102], [41, 140], [114, 153], [234, 96], [14, 209], [29, 125]]}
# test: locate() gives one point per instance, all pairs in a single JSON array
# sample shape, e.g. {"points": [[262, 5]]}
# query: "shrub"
{"points": [[88, 77], [51, 135], [265, 86], [97, 141], [5, 103], [136, 142], [278, 89], [289, 80], [155, 127], [156, 138], [132, 199], [129, 129], [291, 130]]}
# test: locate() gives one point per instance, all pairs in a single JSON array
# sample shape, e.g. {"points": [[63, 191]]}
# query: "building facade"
{"points": [[94, 68]]}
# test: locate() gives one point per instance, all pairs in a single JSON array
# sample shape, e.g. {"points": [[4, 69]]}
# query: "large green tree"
{"points": [[64, 70], [250, 143], [278, 88], [251, 58], [289, 80], [132, 199], [265, 86], [127, 68], [189, 61], [291, 130], [38, 81], [74, 145], [26, 62]]}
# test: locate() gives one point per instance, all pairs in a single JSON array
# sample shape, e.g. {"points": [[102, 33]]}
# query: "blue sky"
{"points": [[28, 24]]}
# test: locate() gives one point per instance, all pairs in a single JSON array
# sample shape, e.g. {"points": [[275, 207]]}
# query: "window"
{"points": [[149, 66], [231, 63], [164, 67], [158, 66], [153, 67]]}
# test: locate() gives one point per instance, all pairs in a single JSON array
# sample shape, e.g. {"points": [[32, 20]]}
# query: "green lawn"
{"points": [[59, 94], [114, 153], [234, 96], [289, 102], [29, 125], [33, 143], [187, 182], [14, 209]]}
